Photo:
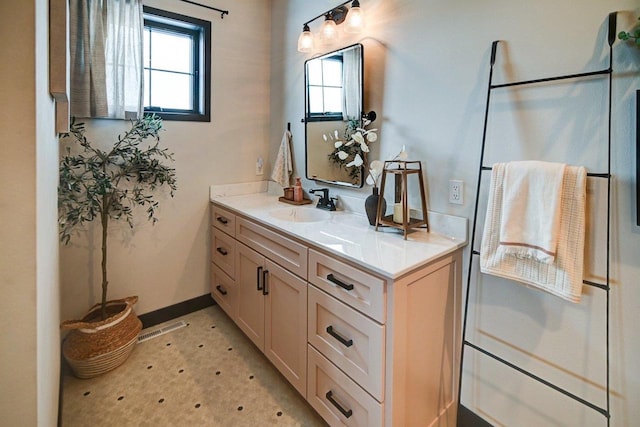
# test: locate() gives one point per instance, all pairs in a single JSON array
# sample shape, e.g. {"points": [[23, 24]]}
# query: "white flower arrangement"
{"points": [[375, 172], [352, 153]]}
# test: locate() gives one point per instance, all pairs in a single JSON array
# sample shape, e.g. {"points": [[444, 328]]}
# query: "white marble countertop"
{"points": [[346, 234]]}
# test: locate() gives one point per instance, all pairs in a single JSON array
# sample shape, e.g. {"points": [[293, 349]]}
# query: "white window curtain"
{"points": [[351, 85], [106, 58]]}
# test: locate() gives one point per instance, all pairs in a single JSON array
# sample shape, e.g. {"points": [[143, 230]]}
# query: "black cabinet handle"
{"points": [[332, 279], [221, 290], [222, 220], [344, 341], [259, 277], [344, 412], [222, 250], [265, 289]]}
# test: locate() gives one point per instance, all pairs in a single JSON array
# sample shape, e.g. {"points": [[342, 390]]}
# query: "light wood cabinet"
{"points": [[250, 294], [338, 399], [364, 349], [352, 341], [224, 291], [223, 220], [395, 341], [223, 252], [223, 246], [285, 319], [272, 310]]}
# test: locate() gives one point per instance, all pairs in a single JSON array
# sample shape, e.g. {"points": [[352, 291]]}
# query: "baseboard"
{"points": [[176, 310], [468, 418]]}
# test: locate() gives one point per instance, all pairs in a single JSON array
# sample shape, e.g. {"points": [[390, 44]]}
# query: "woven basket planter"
{"points": [[94, 347]]}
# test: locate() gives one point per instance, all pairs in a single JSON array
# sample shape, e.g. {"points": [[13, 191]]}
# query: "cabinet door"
{"points": [[223, 248], [286, 324], [250, 301], [223, 290]]}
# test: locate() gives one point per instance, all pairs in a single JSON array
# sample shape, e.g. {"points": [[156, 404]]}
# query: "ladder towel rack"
{"points": [[608, 72]]}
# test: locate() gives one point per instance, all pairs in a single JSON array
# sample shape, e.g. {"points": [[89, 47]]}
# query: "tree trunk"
{"points": [[104, 217]]}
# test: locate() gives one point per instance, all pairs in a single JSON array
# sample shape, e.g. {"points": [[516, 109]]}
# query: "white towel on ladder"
{"points": [[562, 277], [531, 209], [283, 166]]}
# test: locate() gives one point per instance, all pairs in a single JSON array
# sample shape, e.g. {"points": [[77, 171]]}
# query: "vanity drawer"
{"points": [[223, 220], [350, 285], [339, 400], [223, 291], [350, 340], [289, 254], [223, 251]]}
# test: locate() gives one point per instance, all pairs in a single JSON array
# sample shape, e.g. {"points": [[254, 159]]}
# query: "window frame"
{"points": [[201, 88], [324, 116]]}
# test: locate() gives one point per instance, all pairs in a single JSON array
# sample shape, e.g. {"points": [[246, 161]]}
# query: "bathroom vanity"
{"points": [[363, 324]]}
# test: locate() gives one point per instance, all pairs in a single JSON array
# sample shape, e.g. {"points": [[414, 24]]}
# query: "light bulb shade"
{"points": [[329, 31], [305, 41], [354, 22]]}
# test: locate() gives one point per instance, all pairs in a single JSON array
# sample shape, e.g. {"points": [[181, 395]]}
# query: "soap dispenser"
{"points": [[297, 191]]}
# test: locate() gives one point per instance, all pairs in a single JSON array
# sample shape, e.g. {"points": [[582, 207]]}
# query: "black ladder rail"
{"points": [[591, 405], [606, 412]]}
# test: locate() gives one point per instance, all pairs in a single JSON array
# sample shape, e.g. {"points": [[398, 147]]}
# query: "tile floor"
{"points": [[205, 374]]}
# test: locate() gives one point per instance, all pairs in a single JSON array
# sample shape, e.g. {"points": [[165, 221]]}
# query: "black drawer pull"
{"points": [[265, 289], [344, 341], [221, 290], [259, 277], [330, 398], [222, 250], [222, 220], [332, 279]]}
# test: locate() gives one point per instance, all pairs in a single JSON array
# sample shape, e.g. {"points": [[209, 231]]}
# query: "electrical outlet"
{"points": [[259, 165], [456, 191]]}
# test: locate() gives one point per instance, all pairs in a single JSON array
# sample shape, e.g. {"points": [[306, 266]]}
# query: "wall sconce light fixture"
{"points": [[354, 22], [352, 17], [305, 41], [329, 30]]}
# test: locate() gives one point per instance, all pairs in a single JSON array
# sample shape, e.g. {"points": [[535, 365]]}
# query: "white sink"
{"points": [[300, 214]]}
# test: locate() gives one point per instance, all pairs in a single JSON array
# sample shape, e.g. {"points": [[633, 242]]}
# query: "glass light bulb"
{"points": [[305, 41], [329, 31], [354, 22]]}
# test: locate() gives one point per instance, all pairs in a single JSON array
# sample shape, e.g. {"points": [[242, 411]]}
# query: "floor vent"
{"points": [[145, 336]]}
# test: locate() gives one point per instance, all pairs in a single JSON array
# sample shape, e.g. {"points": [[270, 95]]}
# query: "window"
{"points": [[325, 88], [177, 66]]}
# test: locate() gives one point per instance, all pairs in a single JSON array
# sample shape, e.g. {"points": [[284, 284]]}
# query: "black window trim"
{"points": [[186, 24], [327, 116]]}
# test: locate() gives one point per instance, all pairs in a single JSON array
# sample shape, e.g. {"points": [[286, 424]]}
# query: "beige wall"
{"points": [[426, 70], [168, 263], [29, 307]]}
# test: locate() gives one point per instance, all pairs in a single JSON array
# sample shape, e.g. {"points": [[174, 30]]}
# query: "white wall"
{"points": [[168, 263], [426, 71], [47, 253], [29, 306]]}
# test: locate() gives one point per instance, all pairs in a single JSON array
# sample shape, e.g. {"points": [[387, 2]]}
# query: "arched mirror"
{"points": [[333, 108]]}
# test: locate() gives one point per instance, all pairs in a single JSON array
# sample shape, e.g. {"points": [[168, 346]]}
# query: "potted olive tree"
{"points": [[107, 184]]}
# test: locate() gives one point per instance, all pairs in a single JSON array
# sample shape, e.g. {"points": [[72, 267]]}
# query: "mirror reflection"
{"points": [[333, 110]]}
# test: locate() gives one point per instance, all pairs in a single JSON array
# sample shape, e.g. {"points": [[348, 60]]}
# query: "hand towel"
{"points": [[562, 277], [531, 209], [283, 166]]}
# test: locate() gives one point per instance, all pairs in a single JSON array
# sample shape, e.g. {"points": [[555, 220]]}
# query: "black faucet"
{"points": [[325, 202]]}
